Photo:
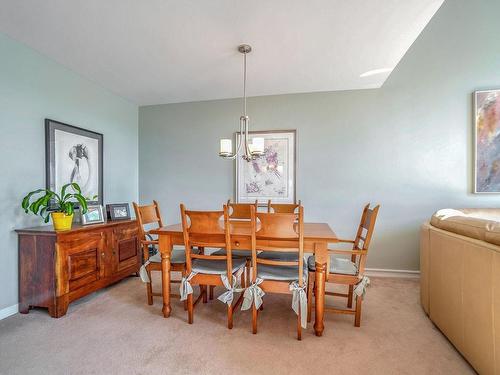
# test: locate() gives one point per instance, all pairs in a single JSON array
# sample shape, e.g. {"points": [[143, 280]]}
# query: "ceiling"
{"points": [[169, 51]]}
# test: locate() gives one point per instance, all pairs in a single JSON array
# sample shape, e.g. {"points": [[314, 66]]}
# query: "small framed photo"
{"points": [[94, 215], [118, 211]]}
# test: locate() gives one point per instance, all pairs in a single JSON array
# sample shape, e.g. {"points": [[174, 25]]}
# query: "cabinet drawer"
{"points": [[126, 247], [83, 268], [82, 257]]}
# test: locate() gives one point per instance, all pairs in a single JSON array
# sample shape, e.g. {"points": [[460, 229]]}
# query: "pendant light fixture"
{"points": [[251, 149]]}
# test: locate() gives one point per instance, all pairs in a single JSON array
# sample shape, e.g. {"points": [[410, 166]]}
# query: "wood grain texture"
{"points": [[316, 238], [58, 267]]}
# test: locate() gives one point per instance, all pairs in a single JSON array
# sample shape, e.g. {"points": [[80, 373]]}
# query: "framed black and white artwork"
{"points": [[74, 155]]}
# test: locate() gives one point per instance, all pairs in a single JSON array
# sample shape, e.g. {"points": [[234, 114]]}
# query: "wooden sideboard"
{"points": [[58, 267]]}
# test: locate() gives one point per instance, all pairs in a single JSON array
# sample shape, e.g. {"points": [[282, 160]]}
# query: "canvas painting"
{"points": [[272, 175], [74, 155], [487, 128]]}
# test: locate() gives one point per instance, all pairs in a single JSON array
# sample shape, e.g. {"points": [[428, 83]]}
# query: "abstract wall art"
{"points": [[487, 133]]}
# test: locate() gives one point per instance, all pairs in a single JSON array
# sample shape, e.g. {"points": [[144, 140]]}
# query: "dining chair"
{"points": [[350, 272], [149, 215], [203, 229], [238, 212], [282, 207], [271, 233]]}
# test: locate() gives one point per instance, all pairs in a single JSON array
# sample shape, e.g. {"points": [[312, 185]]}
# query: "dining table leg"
{"points": [[165, 244], [320, 255]]}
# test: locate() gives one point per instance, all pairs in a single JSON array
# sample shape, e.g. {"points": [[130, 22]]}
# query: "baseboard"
{"points": [[8, 311], [381, 272]]}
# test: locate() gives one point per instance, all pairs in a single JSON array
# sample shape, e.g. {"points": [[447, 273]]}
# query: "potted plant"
{"points": [[63, 208]]}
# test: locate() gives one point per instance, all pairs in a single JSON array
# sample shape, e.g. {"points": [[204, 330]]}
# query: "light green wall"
{"points": [[33, 88], [407, 146]]}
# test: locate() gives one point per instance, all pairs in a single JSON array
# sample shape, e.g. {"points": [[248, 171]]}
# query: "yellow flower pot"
{"points": [[61, 220]]}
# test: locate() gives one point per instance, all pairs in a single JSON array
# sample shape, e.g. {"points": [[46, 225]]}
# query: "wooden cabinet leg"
{"points": [[60, 308], [24, 308], [319, 298]]}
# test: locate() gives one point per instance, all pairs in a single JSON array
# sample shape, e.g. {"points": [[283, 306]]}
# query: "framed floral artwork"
{"points": [[487, 133], [272, 175]]}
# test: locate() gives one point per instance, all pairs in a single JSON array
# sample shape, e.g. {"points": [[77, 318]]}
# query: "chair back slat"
{"points": [[364, 235], [205, 222], [147, 214], [203, 228], [274, 226], [240, 211], [282, 208], [366, 226]]}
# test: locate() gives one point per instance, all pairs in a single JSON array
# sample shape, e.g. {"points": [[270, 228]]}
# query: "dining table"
{"points": [[317, 236]]}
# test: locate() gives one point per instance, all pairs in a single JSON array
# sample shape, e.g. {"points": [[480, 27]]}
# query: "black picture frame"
{"points": [[51, 126], [115, 211]]}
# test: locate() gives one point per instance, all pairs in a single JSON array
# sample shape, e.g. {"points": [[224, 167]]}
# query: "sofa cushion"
{"points": [[478, 223]]}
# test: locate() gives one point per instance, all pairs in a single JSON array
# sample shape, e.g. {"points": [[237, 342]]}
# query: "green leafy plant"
{"points": [[38, 201]]}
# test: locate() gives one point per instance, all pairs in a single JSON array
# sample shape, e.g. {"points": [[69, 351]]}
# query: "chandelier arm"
{"points": [[241, 137], [238, 148]]}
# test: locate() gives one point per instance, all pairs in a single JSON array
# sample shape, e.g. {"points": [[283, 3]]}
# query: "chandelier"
{"points": [[251, 149]]}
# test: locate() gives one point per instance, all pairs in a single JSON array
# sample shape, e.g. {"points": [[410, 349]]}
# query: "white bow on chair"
{"points": [[186, 288], [143, 272], [299, 298], [361, 286], [253, 294], [228, 295]]}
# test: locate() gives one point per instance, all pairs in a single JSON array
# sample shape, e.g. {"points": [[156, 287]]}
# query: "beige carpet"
{"points": [[116, 332]]}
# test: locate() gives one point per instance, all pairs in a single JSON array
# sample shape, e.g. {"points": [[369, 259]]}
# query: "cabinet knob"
{"points": [[237, 244], [102, 254]]}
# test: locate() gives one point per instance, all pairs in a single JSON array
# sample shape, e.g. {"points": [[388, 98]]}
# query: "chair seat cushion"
{"points": [[178, 256], [337, 265], [215, 267], [247, 254], [278, 255], [279, 273]]}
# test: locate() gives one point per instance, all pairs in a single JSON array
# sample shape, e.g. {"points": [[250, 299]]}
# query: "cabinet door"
{"points": [[126, 253], [83, 257]]}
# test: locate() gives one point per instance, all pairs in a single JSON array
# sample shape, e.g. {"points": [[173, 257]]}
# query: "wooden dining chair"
{"points": [[239, 212], [349, 272], [272, 232], [202, 229], [149, 215], [282, 207]]}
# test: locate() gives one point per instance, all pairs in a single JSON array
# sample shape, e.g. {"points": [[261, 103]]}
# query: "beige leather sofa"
{"points": [[460, 282]]}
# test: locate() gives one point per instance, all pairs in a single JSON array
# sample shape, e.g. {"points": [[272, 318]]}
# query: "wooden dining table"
{"points": [[316, 238]]}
